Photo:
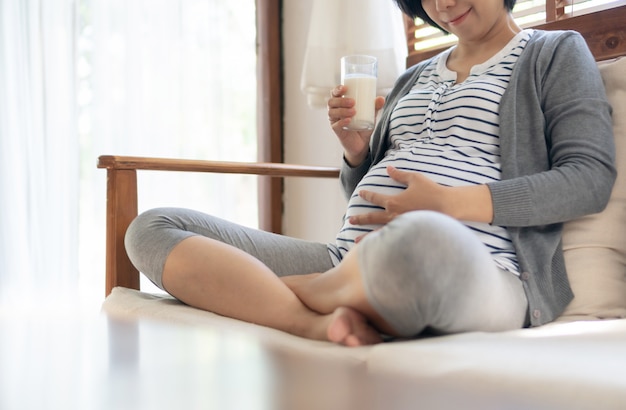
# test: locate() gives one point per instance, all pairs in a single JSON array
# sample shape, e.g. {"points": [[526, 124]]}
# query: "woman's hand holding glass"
{"points": [[340, 113]]}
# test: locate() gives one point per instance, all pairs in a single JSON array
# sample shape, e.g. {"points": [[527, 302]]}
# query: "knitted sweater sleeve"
{"points": [[557, 142]]}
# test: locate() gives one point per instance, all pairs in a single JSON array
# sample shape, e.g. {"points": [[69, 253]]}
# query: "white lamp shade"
{"points": [[343, 27]]}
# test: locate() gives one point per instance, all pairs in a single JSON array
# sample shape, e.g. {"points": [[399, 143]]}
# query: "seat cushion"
{"points": [[595, 245]]}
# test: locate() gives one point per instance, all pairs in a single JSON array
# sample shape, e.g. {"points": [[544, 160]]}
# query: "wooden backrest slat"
{"points": [[604, 31]]}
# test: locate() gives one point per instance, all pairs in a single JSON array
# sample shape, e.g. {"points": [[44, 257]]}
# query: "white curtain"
{"points": [[167, 78], [82, 78], [38, 148], [342, 27]]}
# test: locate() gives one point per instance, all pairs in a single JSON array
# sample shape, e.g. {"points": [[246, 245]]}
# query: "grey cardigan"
{"points": [[558, 158]]}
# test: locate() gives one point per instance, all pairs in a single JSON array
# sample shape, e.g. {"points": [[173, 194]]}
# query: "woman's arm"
{"points": [[557, 142], [351, 172], [356, 157]]}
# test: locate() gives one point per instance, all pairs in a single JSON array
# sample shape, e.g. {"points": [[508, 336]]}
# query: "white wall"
{"points": [[313, 207]]}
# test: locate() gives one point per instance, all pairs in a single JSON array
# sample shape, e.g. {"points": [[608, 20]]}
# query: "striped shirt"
{"points": [[449, 132]]}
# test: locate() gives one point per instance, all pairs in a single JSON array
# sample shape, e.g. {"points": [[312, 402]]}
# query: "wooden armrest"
{"points": [[122, 199], [190, 165]]}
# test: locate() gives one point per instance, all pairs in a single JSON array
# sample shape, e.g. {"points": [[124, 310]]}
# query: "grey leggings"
{"points": [[422, 270]]}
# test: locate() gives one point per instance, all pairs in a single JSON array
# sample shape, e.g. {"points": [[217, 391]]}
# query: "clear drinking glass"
{"points": [[359, 74]]}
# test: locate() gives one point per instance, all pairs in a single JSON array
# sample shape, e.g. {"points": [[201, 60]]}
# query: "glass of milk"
{"points": [[358, 74]]}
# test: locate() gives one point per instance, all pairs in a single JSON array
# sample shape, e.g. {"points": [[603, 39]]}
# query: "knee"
{"points": [[424, 251], [142, 227], [419, 266], [433, 234], [424, 224], [148, 238], [418, 234]]}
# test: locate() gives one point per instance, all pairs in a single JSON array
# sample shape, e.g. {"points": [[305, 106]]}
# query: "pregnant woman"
{"points": [[456, 199]]}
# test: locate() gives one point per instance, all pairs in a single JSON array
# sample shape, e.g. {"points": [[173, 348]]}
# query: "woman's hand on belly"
{"points": [[468, 203], [421, 193]]}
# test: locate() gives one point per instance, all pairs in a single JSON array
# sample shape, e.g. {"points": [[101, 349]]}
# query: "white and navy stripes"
{"points": [[450, 133]]}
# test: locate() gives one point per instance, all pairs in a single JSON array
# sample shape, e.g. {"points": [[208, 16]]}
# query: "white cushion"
{"points": [[595, 246], [130, 304], [574, 365]]}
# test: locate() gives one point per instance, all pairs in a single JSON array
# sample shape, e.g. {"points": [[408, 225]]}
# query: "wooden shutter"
{"points": [[425, 41]]}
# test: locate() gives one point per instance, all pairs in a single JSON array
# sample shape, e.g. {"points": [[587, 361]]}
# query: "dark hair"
{"points": [[413, 9]]}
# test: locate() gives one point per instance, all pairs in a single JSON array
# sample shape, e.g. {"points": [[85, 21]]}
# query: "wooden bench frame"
{"points": [[604, 31]]}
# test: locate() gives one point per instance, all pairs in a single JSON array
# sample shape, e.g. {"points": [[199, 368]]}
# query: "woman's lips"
{"points": [[459, 19]]}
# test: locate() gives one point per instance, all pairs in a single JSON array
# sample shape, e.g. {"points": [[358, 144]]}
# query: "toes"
{"points": [[339, 328], [353, 341], [350, 328]]}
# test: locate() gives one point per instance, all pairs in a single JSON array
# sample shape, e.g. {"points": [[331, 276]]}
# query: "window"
{"points": [[425, 41], [166, 78]]}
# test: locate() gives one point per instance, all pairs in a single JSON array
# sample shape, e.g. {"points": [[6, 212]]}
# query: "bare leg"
{"points": [[340, 286], [216, 277]]}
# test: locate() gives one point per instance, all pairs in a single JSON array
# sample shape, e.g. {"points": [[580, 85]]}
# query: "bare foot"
{"points": [[350, 328]]}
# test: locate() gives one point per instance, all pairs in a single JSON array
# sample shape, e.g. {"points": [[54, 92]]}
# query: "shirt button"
{"points": [[525, 276], [536, 314]]}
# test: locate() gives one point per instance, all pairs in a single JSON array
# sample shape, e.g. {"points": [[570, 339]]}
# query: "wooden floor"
{"points": [[105, 363]]}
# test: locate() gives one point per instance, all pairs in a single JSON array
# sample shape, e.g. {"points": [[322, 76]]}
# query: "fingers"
{"points": [[360, 237], [400, 176], [375, 218], [372, 218], [380, 102], [373, 197], [338, 91], [339, 108]]}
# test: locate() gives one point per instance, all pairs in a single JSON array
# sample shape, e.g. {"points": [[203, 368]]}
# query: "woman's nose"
{"points": [[443, 5]]}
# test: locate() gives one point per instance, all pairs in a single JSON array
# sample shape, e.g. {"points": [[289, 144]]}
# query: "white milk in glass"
{"points": [[362, 88], [358, 74]]}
